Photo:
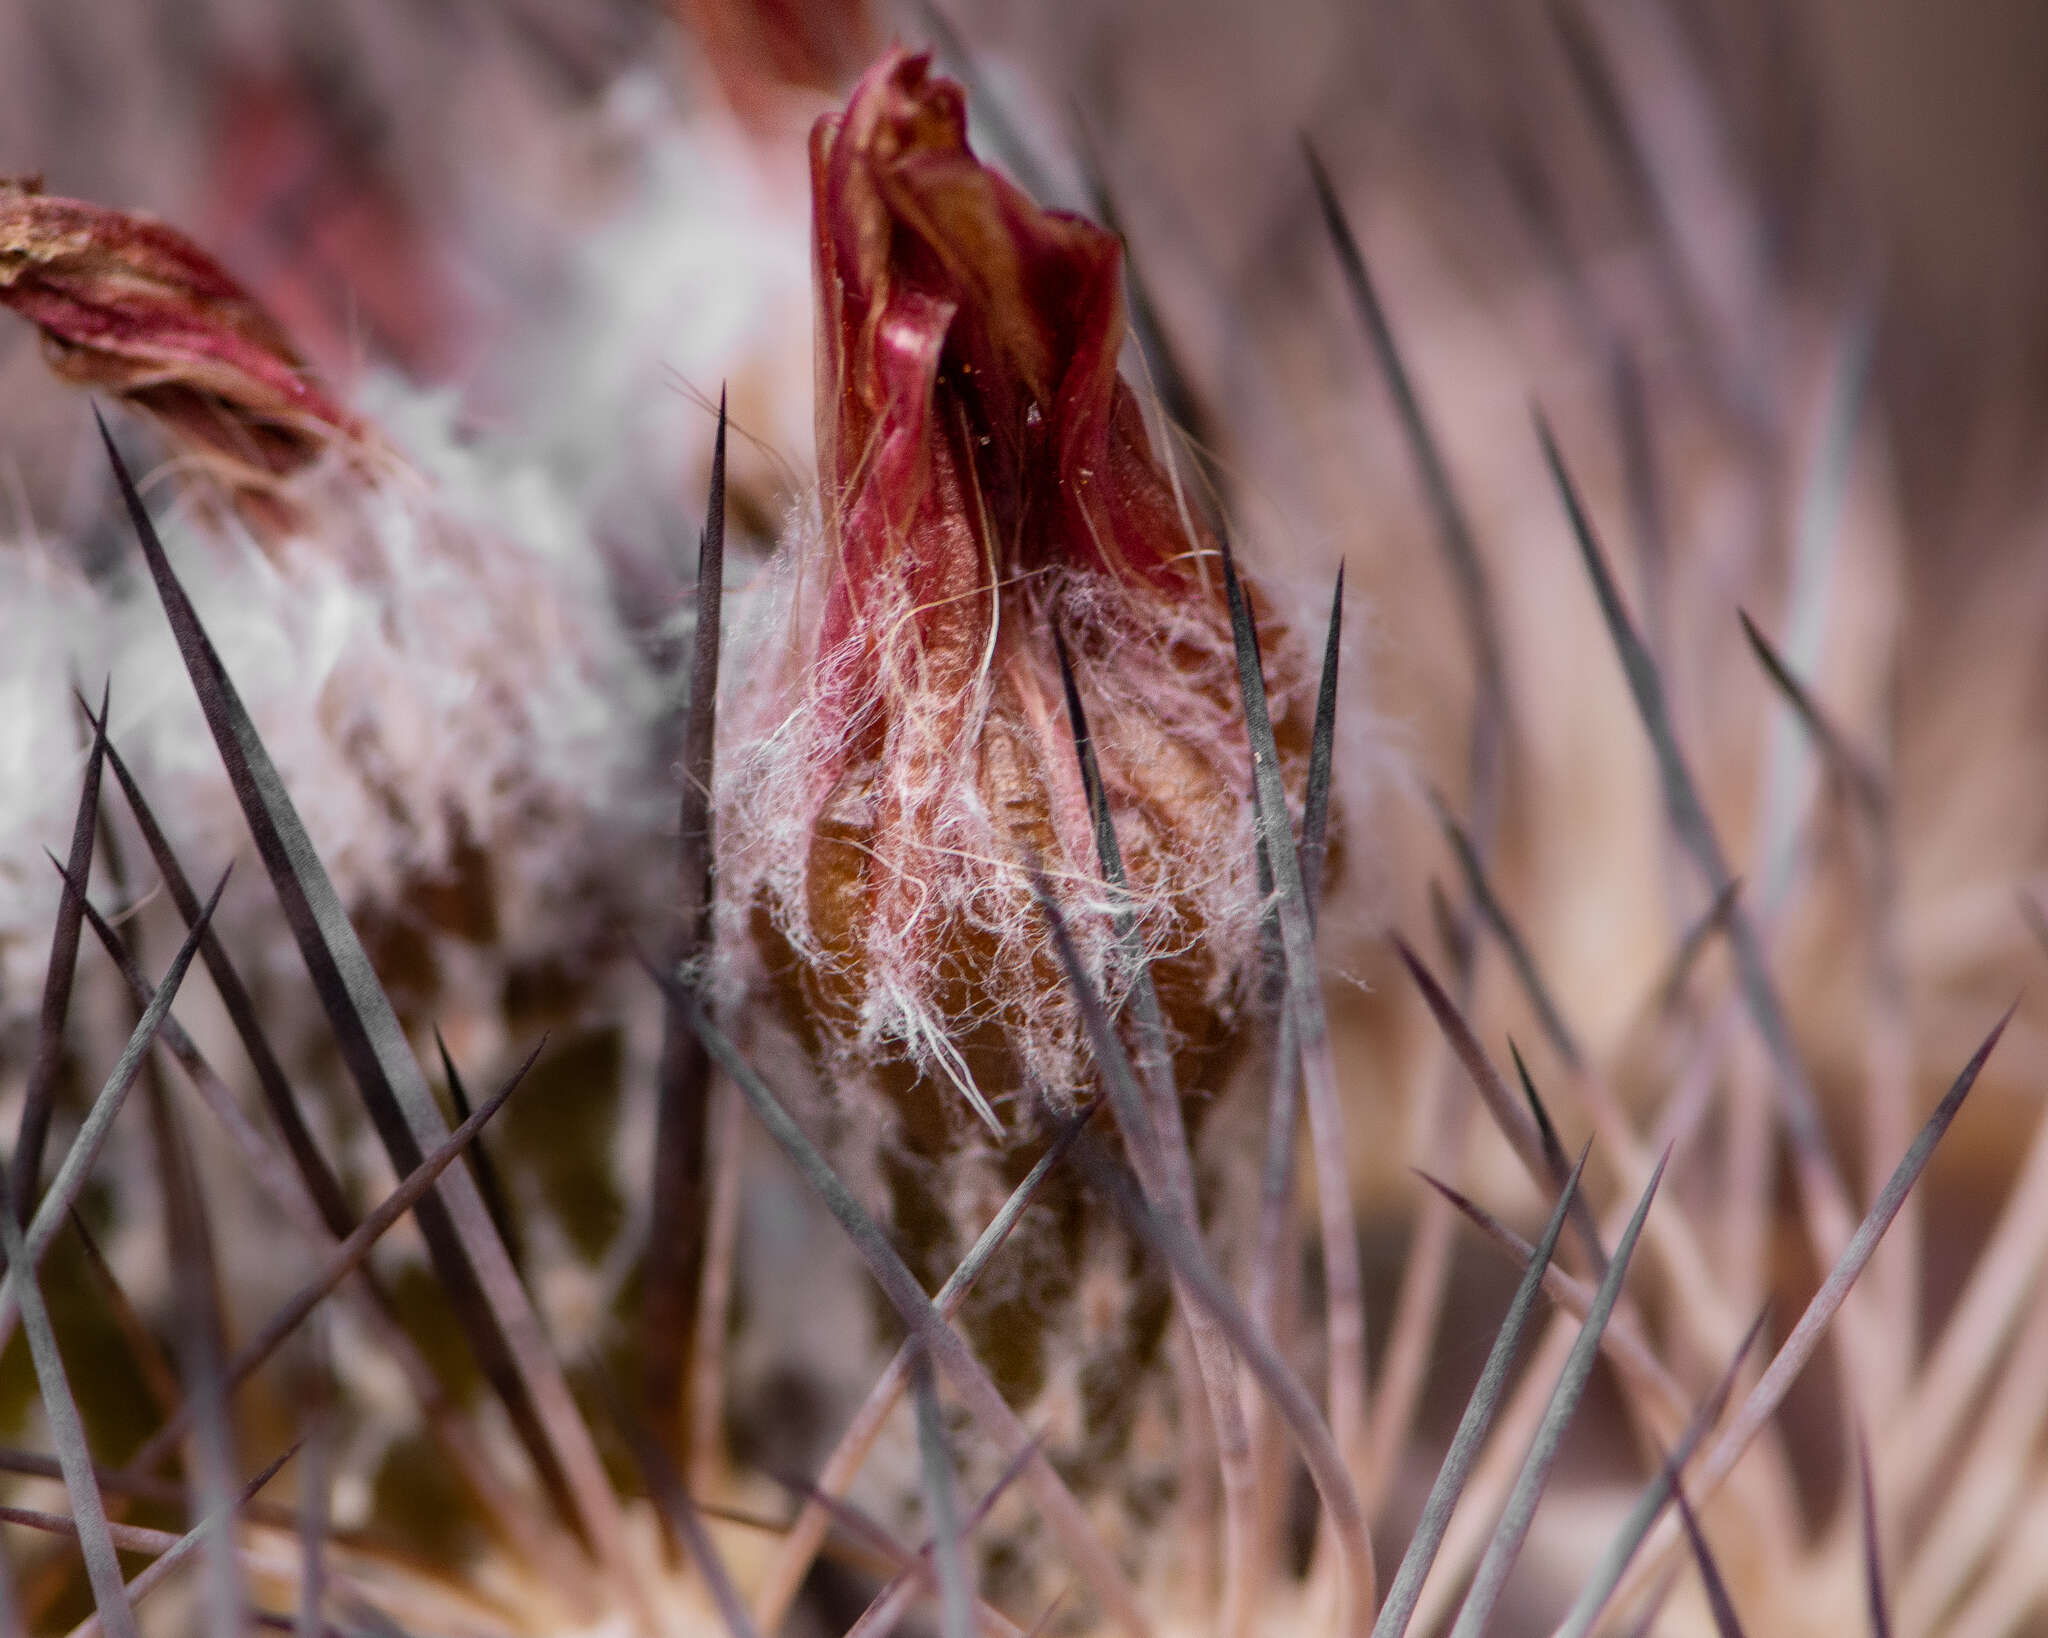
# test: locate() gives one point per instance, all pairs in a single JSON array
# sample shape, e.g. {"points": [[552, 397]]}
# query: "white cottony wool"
{"points": [[434, 661]]}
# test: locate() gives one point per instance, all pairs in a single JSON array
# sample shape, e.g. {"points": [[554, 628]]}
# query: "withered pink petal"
{"points": [[1015, 315], [133, 307]]}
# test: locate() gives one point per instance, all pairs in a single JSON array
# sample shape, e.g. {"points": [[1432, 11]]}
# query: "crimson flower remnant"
{"points": [[897, 757], [134, 309]]}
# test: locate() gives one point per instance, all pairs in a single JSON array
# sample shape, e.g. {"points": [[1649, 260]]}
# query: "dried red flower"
{"points": [[134, 308], [985, 476]]}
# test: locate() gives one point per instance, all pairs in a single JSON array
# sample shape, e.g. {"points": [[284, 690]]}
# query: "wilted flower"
{"points": [[986, 479], [136, 309]]}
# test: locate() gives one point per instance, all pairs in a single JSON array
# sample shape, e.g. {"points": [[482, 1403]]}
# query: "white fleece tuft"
{"points": [[434, 663]]}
